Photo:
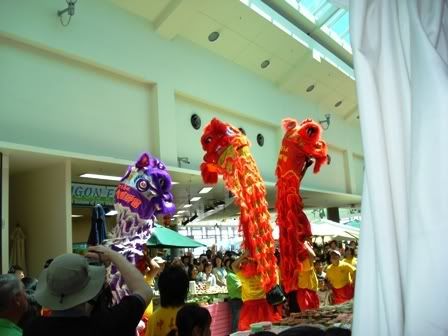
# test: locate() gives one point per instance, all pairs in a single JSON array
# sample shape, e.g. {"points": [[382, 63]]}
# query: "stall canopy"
{"points": [[162, 237], [327, 228]]}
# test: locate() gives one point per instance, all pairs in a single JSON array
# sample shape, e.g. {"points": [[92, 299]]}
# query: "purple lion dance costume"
{"points": [[143, 193]]}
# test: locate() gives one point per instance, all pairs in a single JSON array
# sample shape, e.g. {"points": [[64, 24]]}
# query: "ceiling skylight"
{"points": [[331, 19]]}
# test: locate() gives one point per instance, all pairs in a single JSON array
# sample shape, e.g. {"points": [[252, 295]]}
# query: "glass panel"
{"points": [[341, 25], [335, 21], [312, 5], [324, 10]]}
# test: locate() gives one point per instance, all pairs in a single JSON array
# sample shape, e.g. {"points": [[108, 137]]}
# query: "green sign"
{"points": [[91, 194]]}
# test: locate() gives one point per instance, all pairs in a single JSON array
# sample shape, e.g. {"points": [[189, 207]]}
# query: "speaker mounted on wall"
{"points": [[260, 139], [195, 121]]}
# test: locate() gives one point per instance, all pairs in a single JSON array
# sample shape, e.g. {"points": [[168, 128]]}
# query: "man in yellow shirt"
{"points": [[307, 297], [255, 306], [341, 278], [173, 287]]}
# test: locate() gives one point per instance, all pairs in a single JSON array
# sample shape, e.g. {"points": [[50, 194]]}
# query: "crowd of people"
{"points": [[71, 295]]}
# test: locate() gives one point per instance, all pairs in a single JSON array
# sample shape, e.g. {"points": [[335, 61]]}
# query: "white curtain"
{"points": [[400, 50]]}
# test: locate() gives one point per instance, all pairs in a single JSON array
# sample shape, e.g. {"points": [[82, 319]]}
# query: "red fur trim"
{"points": [[227, 154], [301, 143]]}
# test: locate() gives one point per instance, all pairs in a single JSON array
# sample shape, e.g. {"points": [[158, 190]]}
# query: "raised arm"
{"points": [[236, 266], [131, 275]]}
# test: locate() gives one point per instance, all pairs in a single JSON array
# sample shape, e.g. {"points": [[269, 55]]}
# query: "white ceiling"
{"points": [[190, 183], [247, 39]]}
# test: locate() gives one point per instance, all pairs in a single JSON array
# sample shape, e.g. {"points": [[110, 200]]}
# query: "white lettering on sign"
{"points": [[91, 194]]}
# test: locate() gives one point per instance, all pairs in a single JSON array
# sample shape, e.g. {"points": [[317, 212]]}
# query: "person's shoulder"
{"points": [[53, 325], [347, 265]]}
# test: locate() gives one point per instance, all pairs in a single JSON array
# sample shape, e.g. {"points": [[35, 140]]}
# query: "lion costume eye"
{"points": [[142, 185], [208, 140]]}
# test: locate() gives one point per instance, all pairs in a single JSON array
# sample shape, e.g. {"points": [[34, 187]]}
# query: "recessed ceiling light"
{"points": [[181, 211], [101, 177], [339, 103], [310, 88], [195, 199], [265, 64], [205, 190], [77, 216], [112, 213], [188, 205], [213, 36]]}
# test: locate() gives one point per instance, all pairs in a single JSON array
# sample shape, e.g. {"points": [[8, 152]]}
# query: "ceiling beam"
{"points": [[178, 13]]}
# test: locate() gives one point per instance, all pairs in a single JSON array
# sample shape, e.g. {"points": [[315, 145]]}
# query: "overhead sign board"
{"points": [[91, 194]]}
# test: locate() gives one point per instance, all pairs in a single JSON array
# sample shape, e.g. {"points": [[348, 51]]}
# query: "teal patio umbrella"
{"points": [[165, 238]]}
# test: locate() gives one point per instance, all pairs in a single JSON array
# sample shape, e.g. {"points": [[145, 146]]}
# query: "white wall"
{"points": [[40, 203], [52, 102], [53, 86]]}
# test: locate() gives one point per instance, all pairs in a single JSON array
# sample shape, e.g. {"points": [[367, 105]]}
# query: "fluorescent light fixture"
{"points": [[181, 211], [195, 199], [176, 216], [187, 205], [112, 213], [174, 182], [101, 177], [205, 190], [77, 216]]}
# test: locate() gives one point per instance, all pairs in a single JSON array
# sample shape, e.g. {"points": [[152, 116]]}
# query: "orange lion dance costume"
{"points": [[301, 143], [228, 154]]}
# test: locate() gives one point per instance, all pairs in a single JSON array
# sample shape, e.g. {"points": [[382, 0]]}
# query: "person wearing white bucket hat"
{"points": [[71, 286]]}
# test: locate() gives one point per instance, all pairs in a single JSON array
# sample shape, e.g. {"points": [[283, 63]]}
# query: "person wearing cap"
{"points": [[341, 278], [70, 286], [13, 304]]}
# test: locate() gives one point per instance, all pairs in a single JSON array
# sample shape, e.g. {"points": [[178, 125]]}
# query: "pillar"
{"points": [[163, 137], [4, 212]]}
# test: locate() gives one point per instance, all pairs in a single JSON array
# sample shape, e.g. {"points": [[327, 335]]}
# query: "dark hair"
{"points": [[218, 257], [207, 264], [265, 333], [232, 259], [337, 331], [30, 284], [303, 331], [173, 286], [351, 249], [190, 316], [190, 271], [15, 268]]}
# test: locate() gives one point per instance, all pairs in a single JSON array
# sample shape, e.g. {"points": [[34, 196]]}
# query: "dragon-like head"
{"points": [[146, 188], [217, 137], [307, 138]]}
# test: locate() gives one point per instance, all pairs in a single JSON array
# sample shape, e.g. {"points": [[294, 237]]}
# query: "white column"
{"points": [[5, 213], [163, 135]]}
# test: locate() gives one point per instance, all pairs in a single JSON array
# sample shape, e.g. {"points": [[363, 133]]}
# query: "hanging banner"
{"points": [[91, 194]]}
